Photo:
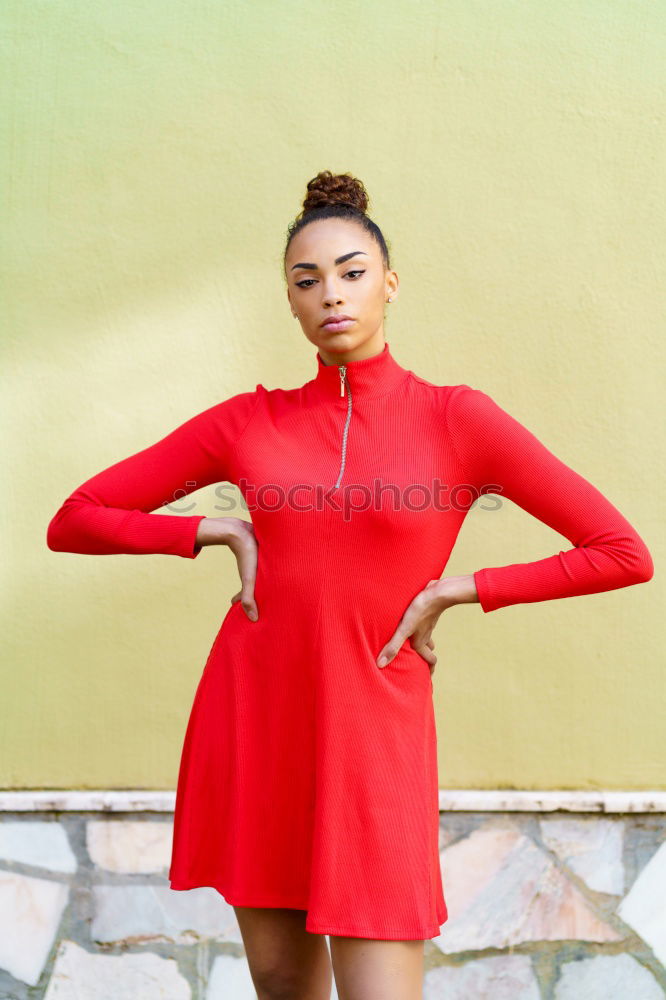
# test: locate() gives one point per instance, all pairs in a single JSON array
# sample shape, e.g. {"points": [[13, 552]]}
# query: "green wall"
{"points": [[153, 156]]}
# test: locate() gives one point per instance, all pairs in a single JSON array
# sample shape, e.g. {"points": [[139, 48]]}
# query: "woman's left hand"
{"points": [[422, 615]]}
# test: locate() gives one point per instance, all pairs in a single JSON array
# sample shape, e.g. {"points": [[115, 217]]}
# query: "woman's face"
{"points": [[357, 286]]}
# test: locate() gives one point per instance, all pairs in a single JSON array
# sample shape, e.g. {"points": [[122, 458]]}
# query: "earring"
{"points": [[389, 299]]}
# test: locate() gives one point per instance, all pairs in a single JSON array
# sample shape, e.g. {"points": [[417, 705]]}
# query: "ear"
{"points": [[392, 285]]}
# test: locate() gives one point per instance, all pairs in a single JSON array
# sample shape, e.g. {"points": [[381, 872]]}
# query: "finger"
{"points": [[406, 627], [427, 654], [249, 603], [245, 597], [420, 639], [247, 567], [391, 648]]}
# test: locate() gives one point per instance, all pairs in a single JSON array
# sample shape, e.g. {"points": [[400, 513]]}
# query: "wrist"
{"points": [[214, 531], [452, 590]]}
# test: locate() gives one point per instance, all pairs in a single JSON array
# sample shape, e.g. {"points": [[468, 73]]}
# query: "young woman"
{"points": [[308, 788]]}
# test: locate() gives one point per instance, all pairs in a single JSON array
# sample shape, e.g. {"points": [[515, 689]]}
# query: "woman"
{"points": [[308, 788]]}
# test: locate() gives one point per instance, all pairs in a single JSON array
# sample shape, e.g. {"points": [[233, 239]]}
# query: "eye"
{"points": [[307, 281]]}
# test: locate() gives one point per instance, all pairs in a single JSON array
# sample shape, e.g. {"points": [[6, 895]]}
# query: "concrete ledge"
{"points": [[450, 800], [599, 801]]}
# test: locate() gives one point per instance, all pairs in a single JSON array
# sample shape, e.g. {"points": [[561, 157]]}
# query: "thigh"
{"points": [[284, 959], [366, 967]]}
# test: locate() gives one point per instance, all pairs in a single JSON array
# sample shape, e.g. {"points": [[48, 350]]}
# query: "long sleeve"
{"points": [[111, 512], [498, 455]]}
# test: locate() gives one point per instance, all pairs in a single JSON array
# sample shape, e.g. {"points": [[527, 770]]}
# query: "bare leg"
{"points": [[286, 961], [368, 969]]}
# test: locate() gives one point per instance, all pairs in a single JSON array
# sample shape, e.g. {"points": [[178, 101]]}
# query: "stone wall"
{"points": [[542, 906]]}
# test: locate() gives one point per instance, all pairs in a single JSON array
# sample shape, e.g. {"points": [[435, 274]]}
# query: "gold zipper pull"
{"points": [[342, 369]]}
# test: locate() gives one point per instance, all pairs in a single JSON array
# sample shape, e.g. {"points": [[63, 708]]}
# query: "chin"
{"points": [[345, 340], [352, 337]]}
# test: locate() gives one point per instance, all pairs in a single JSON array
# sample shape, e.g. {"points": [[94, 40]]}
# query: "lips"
{"points": [[336, 324], [344, 324], [338, 318]]}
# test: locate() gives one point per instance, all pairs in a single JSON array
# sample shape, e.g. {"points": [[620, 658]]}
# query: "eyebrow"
{"points": [[338, 260]]}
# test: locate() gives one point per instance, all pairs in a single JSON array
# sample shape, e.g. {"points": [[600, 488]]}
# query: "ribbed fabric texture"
{"points": [[497, 454], [110, 513], [308, 775]]}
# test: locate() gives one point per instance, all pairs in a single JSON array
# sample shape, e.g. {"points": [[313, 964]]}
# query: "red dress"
{"points": [[308, 776]]}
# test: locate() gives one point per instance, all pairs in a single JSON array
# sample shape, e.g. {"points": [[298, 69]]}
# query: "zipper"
{"points": [[344, 380]]}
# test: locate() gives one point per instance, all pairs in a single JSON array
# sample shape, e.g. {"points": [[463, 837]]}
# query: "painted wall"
{"points": [[154, 154]]}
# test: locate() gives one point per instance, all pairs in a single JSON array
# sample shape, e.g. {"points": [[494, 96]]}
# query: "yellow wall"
{"points": [[155, 153]]}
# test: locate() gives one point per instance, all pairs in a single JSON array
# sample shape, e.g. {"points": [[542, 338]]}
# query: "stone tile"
{"points": [[39, 843], [80, 975], [644, 906], [446, 835], [502, 890], [230, 979], [146, 913], [590, 847], [502, 977], [130, 846], [30, 914], [607, 977]]}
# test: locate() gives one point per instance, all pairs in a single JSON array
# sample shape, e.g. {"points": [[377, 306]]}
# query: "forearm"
{"points": [[85, 527]]}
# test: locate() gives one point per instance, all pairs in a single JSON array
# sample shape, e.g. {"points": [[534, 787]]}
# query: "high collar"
{"points": [[367, 377]]}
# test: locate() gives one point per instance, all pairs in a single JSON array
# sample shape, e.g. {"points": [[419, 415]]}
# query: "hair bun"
{"points": [[336, 196], [335, 189]]}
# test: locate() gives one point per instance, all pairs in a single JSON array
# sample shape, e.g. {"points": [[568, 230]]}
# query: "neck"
{"points": [[364, 377]]}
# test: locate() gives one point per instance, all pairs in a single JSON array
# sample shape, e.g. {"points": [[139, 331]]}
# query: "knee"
{"points": [[278, 984]]}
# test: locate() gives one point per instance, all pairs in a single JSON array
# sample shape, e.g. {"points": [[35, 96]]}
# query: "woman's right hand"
{"points": [[239, 536]]}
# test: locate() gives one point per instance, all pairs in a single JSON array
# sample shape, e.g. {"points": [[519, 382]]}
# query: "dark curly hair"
{"points": [[339, 196]]}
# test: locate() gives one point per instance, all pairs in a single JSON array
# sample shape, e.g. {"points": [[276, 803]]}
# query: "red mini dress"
{"points": [[308, 775]]}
